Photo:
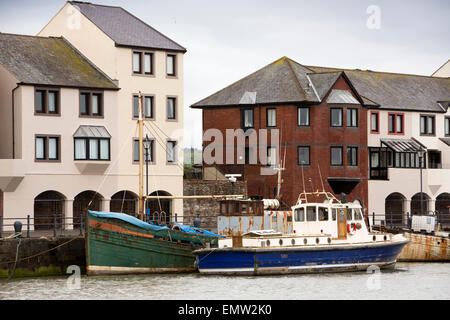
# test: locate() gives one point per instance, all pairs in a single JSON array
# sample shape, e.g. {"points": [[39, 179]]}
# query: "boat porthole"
{"points": [[317, 240], [374, 238], [268, 242], [305, 241], [385, 238], [281, 242], [293, 241], [439, 242], [329, 240]]}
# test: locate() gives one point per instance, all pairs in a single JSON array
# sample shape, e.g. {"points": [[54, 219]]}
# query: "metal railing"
{"points": [[404, 219], [57, 226]]}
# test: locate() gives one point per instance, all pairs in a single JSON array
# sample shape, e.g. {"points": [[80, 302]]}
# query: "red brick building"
{"points": [[322, 122]]}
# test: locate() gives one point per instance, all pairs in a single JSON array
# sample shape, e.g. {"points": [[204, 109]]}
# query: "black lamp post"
{"points": [[147, 143], [421, 153]]}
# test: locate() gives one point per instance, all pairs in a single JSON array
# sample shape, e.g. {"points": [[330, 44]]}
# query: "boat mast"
{"points": [[141, 162]]}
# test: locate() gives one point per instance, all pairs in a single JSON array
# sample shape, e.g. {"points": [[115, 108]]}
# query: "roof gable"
{"points": [[282, 81], [49, 61], [124, 28], [397, 91]]}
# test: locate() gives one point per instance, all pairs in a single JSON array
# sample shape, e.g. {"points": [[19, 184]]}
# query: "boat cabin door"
{"points": [[342, 223]]}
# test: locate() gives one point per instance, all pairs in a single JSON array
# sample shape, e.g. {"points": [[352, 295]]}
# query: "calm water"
{"points": [[407, 281]]}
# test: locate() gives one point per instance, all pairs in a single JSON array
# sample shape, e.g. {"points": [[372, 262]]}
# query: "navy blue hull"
{"points": [[297, 260]]}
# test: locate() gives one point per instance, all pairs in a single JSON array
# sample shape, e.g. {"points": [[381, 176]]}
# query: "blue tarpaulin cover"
{"points": [[190, 229], [150, 226], [129, 219]]}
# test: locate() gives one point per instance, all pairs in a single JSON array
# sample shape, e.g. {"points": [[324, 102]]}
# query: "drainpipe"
{"points": [[13, 135]]}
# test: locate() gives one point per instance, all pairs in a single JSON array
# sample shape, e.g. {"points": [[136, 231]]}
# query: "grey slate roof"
{"points": [[124, 28], [397, 91], [49, 61], [285, 81], [281, 81]]}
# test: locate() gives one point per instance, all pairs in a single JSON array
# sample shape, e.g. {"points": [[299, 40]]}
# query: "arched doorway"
{"points": [[394, 208], [86, 200], [124, 202], [159, 210], [415, 204], [47, 205], [442, 206]]}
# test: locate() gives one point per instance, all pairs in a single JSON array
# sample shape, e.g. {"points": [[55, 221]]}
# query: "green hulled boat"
{"points": [[117, 243]]}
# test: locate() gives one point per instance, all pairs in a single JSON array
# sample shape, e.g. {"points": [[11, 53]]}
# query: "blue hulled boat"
{"points": [[329, 236]]}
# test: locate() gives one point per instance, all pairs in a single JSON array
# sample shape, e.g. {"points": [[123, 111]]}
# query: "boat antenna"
{"points": [[321, 180], [312, 187]]}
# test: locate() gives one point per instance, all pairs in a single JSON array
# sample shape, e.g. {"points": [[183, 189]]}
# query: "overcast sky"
{"points": [[227, 40]]}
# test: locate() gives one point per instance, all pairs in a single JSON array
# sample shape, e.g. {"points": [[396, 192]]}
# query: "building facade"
{"points": [[82, 177], [363, 129]]}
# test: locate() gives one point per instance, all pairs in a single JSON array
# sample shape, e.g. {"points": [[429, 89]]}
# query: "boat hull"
{"points": [[260, 261], [117, 247]]}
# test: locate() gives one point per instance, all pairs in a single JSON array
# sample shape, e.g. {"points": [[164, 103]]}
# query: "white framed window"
{"points": [[271, 117], [171, 151]]}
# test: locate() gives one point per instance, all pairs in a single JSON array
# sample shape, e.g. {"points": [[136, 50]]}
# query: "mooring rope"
{"points": [[15, 263], [38, 254]]}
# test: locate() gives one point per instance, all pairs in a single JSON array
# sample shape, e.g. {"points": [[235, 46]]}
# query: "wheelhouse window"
{"points": [[323, 213], [247, 118], [46, 101], [427, 125], [352, 156], [336, 156], [304, 156], [311, 214], [91, 104], [47, 148], [171, 108], [352, 117], [395, 123], [171, 149], [336, 117], [303, 116], [299, 214], [271, 118], [171, 65]]}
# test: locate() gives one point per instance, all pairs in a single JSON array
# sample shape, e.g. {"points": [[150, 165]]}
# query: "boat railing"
{"points": [[318, 197]]}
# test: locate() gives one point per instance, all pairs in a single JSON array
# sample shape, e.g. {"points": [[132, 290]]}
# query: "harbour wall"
{"points": [[41, 256], [208, 209]]}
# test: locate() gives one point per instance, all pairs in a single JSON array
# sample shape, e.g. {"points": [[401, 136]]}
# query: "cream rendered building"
{"points": [[134, 58], [443, 71]]}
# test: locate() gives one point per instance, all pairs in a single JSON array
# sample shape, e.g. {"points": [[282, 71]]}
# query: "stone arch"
{"points": [[125, 202], [159, 210], [394, 208], [47, 205], [442, 207], [84, 201], [415, 204]]}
